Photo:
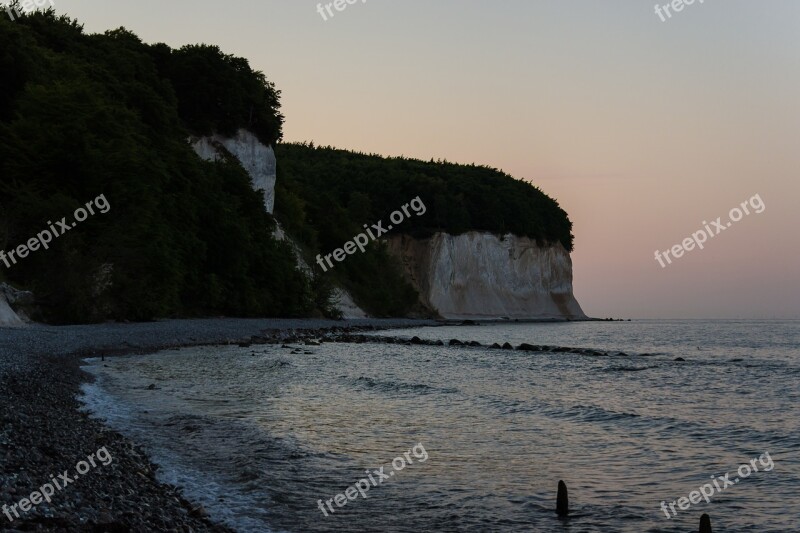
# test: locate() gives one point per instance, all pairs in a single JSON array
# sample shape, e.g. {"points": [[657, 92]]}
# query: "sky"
{"points": [[642, 129]]}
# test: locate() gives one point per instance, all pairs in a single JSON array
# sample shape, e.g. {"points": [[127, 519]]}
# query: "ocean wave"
{"points": [[398, 386]]}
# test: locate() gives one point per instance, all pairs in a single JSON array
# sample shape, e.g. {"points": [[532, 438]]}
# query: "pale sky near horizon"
{"points": [[641, 129]]}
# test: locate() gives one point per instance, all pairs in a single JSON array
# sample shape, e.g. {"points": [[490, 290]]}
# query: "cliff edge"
{"points": [[259, 161], [256, 158], [482, 275]]}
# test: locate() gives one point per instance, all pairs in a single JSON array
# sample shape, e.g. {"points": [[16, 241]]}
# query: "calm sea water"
{"points": [[259, 435]]}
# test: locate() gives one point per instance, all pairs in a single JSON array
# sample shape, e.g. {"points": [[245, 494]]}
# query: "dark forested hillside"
{"points": [[84, 115], [324, 196], [459, 197], [88, 115]]}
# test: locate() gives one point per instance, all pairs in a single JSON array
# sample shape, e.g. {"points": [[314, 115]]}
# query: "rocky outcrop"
{"points": [[345, 304], [481, 275], [256, 158], [9, 296], [260, 163], [8, 318], [471, 275], [342, 299]]}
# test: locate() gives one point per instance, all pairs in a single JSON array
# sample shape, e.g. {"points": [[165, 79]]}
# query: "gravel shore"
{"points": [[43, 434]]}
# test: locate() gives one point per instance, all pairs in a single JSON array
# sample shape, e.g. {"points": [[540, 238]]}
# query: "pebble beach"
{"points": [[45, 433]]}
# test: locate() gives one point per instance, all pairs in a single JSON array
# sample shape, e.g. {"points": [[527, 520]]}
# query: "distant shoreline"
{"points": [[473, 320]]}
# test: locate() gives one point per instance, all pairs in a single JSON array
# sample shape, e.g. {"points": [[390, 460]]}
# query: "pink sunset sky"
{"points": [[641, 128]]}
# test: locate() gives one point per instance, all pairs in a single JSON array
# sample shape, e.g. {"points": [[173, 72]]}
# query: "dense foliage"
{"points": [[325, 196], [88, 115], [327, 185], [84, 115]]}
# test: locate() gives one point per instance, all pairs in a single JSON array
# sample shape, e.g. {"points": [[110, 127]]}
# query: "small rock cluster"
{"points": [[361, 339]]}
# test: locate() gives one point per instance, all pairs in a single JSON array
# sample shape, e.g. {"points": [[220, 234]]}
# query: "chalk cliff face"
{"points": [[480, 275], [8, 318], [260, 163], [473, 275], [343, 301], [9, 295], [256, 158]]}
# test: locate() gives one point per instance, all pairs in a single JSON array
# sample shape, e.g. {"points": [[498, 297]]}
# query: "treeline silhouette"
{"points": [[83, 115]]}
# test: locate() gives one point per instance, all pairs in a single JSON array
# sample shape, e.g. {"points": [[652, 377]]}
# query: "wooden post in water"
{"points": [[705, 524], [562, 500]]}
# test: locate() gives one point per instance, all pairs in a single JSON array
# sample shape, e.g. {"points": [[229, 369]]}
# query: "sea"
{"points": [[417, 438]]}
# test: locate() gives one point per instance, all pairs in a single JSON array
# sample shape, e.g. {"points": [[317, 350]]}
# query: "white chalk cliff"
{"points": [[481, 275], [259, 161], [256, 158], [8, 318], [473, 275], [342, 299]]}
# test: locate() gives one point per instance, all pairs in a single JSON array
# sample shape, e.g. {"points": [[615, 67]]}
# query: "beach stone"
{"points": [[104, 518], [198, 512], [507, 346], [455, 342]]}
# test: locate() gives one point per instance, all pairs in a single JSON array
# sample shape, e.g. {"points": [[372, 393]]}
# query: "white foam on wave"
{"points": [[224, 502]]}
